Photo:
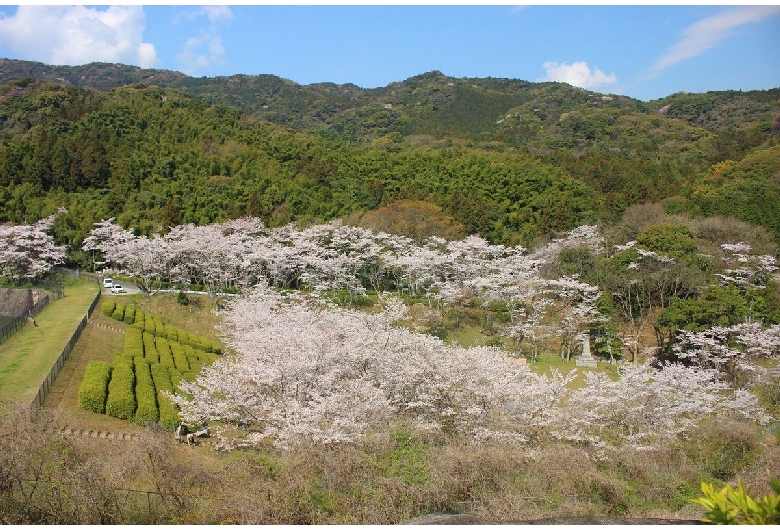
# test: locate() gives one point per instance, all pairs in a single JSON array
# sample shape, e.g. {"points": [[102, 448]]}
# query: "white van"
{"points": [[108, 283]]}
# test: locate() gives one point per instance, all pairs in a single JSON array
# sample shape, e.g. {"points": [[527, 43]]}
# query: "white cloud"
{"points": [[76, 35], [201, 52], [708, 32], [218, 13], [213, 13], [205, 49], [578, 74]]}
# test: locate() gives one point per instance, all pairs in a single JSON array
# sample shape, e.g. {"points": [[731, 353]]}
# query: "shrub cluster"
{"points": [[199, 342], [94, 386], [155, 358], [145, 393], [107, 308], [169, 412], [121, 389], [153, 325]]}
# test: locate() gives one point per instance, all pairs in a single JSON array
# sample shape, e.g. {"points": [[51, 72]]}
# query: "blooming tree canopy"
{"points": [[28, 251], [305, 370], [332, 374]]}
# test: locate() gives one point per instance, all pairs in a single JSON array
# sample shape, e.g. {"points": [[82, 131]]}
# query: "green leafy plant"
{"points": [[94, 387], [736, 506]]}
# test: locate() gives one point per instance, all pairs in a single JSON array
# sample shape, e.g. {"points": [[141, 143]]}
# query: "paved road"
{"points": [[129, 288]]}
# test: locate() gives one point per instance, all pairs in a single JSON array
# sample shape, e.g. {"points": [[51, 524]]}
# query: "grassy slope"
{"points": [[27, 357], [197, 317]]}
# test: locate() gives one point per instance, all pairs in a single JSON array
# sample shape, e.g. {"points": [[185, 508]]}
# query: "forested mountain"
{"points": [[508, 159]]}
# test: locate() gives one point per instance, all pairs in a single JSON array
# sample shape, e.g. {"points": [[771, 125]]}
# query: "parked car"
{"points": [[116, 289], [108, 283]]}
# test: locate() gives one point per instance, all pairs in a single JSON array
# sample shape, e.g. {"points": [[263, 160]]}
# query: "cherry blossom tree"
{"points": [[731, 350], [104, 237], [647, 407], [27, 252], [748, 269], [528, 326], [351, 372], [576, 309], [306, 370]]}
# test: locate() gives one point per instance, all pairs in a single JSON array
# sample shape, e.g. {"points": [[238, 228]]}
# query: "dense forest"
{"points": [[509, 160]]}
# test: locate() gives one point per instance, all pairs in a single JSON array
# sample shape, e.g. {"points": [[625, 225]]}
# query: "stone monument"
{"points": [[586, 359]]}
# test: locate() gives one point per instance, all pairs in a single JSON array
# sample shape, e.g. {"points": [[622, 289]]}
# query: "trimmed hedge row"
{"points": [[119, 313], [145, 393], [169, 412], [203, 357], [129, 315], [94, 387], [107, 308], [150, 350], [149, 326], [154, 325], [179, 357], [134, 343], [201, 343], [177, 377], [121, 389], [156, 358], [164, 349], [140, 319]]}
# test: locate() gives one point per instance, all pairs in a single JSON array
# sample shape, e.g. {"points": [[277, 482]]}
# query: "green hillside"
{"points": [[508, 159]]}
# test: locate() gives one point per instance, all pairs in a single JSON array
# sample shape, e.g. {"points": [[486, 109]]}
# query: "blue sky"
{"points": [[643, 51]]}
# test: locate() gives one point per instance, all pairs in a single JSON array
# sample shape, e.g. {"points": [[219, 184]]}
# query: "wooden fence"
{"points": [[58, 290], [18, 323], [45, 388], [89, 276], [144, 503]]}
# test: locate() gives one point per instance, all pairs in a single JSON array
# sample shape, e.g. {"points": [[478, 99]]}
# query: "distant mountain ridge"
{"points": [[427, 104]]}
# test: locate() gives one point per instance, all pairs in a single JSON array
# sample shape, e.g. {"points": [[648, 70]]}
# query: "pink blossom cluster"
{"points": [[750, 269], [719, 346], [243, 253], [334, 256], [28, 251], [647, 406], [305, 370]]}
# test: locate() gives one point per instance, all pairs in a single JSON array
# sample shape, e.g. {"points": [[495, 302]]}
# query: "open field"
{"points": [[27, 357]]}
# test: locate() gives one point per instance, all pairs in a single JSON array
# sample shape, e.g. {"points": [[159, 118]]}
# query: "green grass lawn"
{"points": [[27, 357]]}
